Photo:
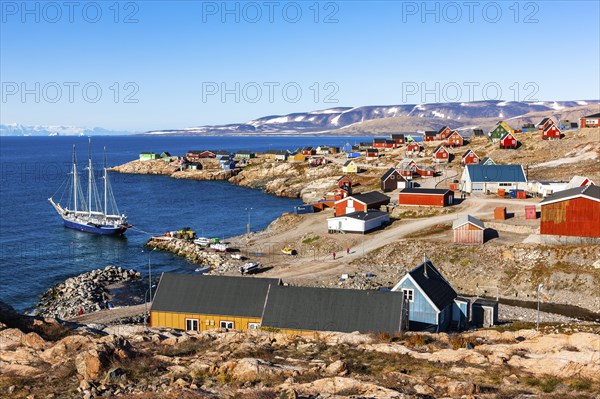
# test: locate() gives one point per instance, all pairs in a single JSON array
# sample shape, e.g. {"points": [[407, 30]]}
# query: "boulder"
{"points": [[9, 337], [33, 340], [90, 364], [336, 368]]}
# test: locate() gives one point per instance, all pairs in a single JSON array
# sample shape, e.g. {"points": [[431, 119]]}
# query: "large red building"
{"points": [[590, 121], [361, 202], [426, 197], [574, 212]]}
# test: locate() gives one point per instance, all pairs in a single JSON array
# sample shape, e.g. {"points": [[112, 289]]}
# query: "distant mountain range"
{"points": [[365, 120], [15, 129], [347, 120]]}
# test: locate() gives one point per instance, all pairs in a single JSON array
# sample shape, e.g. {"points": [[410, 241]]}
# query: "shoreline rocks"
{"points": [[86, 291]]}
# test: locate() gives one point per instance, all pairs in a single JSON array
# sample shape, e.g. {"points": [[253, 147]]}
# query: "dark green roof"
{"points": [[214, 295], [333, 309]]}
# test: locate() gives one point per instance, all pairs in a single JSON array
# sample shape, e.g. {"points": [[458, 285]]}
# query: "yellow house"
{"points": [[199, 303], [298, 157], [350, 167]]}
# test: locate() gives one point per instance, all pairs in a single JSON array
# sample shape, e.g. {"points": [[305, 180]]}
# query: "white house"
{"points": [[490, 178], [358, 222], [544, 188]]}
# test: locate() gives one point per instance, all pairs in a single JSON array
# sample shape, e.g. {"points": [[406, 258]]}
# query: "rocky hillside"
{"points": [[46, 358], [404, 117]]}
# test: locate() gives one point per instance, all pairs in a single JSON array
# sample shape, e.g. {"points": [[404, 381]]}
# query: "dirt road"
{"points": [[307, 268]]}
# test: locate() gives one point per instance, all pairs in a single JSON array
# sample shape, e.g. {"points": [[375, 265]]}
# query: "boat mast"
{"points": [[90, 176], [105, 185], [74, 180]]}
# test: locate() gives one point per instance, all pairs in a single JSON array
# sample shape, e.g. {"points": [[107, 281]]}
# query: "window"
{"points": [[408, 294], [253, 326], [226, 324], [443, 155], [191, 324]]}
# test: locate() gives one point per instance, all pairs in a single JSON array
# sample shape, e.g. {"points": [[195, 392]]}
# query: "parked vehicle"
{"points": [[289, 251], [220, 247], [249, 268]]}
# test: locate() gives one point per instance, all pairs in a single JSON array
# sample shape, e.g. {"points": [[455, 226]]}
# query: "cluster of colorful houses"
{"points": [[422, 300]]}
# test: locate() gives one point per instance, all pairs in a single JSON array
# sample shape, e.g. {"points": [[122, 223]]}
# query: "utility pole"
{"points": [[248, 225], [537, 323]]}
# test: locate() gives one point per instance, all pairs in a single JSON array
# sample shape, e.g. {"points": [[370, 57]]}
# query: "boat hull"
{"points": [[103, 230]]}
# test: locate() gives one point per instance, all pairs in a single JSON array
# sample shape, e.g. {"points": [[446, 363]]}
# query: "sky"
{"points": [[148, 65]]}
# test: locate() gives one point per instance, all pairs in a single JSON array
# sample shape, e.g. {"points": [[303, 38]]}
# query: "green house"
{"points": [[146, 156], [500, 130]]}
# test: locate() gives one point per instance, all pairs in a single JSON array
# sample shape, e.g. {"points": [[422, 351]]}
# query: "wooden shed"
{"points": [[574, 212], [426, 197], [500, 213], [468, 230], [530, 212]]}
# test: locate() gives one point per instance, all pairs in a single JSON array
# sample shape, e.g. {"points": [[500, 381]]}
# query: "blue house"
{"points": [[430, 298], [347, 147]]}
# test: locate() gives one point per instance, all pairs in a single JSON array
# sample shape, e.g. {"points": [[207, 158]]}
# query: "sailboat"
{"points": [[86, 213]]}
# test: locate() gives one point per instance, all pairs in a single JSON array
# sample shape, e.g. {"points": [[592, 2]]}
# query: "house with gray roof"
{"points": [[299, 309], [430, 297], [489, 178]]}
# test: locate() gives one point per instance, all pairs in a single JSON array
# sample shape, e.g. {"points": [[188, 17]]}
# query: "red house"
{"points": [[545, 123], [345, 183], [469, 158], [590, 121], [455, 139], [372, 153], [551, 132], [361, 202], [508, 141], [383, 143], [444, 133], [441, 154], [196, 154], [425, 171], [413, 148], [573, 213], [398, 138], [308, 151], [430, 135], [426, 197], [407, 168]]}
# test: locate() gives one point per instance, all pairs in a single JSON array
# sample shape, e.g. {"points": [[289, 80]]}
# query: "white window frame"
{"points": [[253, 326], [230, 325], [194, 321], [409, 294]]}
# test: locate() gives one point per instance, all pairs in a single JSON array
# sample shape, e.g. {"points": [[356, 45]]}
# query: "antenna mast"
{"points": [[105, 185], [74, 181], [89, 190]]}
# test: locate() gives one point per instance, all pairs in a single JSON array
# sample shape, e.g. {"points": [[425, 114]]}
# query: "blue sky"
{"points": [[170, 62]]}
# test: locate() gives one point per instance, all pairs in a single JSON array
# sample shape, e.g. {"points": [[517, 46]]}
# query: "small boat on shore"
{"points": [[202, 269], [220, 247], [202, 241], [237, 256], [249, 268]]}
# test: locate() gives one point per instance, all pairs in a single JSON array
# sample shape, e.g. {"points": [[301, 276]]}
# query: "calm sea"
{"points": [[37, 252]]}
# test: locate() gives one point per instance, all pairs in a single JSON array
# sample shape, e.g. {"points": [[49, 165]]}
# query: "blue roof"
{"points": [[496, 173]]}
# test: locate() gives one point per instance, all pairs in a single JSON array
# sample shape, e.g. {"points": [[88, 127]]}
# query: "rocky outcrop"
{"points": [[291, 180], [130, 360], [86, 291], [194, 253], [149, 167]]}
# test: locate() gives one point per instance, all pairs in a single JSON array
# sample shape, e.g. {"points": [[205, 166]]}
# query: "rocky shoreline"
{"points": [[86, 291], [283, 179]]}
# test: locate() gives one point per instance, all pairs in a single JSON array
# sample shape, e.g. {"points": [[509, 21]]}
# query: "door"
{"points": [[477, 187], [488, 317]]}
